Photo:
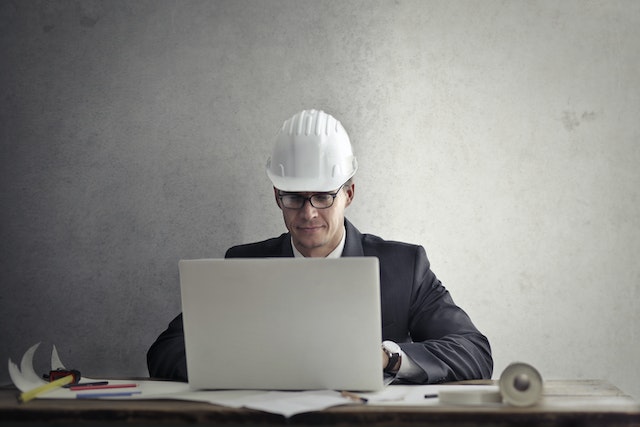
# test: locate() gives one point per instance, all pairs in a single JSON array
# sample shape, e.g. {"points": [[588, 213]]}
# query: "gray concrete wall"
{"points": [[502, 136]]}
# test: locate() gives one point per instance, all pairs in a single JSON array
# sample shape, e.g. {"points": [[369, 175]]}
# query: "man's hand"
{"points": [[385, 359]]}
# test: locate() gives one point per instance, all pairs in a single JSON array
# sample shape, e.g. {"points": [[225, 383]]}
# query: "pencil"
{"points": [[33, 393], [81, 387]]}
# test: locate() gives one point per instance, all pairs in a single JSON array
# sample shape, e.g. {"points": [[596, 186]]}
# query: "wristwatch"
{"points": [[393, 351]]}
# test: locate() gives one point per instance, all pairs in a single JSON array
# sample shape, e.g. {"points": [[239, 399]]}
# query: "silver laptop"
{"points": [[282, 323]]}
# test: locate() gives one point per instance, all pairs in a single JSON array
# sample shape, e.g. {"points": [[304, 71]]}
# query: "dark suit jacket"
{"points": [[417, 313]]}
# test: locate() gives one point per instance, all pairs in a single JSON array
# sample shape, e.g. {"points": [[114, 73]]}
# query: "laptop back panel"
{"points": [[282, 323]]}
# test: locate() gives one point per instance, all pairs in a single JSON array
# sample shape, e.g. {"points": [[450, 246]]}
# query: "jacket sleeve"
{"points": [[444, 342], [166, 357]]}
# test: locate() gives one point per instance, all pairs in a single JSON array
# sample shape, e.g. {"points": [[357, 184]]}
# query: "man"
{"points": [[427, 338]]}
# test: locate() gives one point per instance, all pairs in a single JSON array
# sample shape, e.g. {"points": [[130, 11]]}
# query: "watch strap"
{"points": [[393, 360]]}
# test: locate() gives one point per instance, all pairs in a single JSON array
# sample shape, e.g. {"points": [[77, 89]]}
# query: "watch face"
{"points": [[391, 346]]}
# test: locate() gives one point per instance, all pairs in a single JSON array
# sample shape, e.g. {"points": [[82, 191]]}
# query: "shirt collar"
{"points": [[336, 253]]}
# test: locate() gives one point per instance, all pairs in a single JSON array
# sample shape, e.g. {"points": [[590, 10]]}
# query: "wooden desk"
{"points": [[565, 403]]}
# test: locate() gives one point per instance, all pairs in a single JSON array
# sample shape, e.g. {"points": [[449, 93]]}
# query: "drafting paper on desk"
{"points": [[292, 403], [25, 378], [406, 395], [283, 403]]}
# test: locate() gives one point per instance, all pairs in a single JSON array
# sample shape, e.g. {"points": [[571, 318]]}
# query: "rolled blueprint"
{"points": [[520, 385], [469, 397]]}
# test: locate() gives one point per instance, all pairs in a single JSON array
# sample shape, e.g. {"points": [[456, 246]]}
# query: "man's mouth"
{"points": [[309, 228]]}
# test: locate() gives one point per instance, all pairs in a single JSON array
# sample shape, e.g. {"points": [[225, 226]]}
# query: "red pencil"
{"points": [[80, 387]]}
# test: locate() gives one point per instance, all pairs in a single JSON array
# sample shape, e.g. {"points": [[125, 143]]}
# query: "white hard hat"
{"points": [[312, 153]]}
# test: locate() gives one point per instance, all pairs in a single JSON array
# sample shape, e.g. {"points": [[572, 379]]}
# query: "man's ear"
{"points": [[350, 191]]}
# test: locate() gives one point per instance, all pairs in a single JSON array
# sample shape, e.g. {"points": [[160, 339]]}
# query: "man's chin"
{"points": [[310, 244], [307, 244]]}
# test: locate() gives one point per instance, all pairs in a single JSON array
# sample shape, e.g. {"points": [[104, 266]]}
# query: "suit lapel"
{"points": [[285, 246], [353, 242]]}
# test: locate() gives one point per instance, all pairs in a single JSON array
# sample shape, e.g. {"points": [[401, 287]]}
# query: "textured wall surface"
{"points": [[501, 135]]}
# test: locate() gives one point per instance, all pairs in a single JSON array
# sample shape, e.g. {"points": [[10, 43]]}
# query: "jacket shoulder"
{"points": [[272, 247], [373, 245]]}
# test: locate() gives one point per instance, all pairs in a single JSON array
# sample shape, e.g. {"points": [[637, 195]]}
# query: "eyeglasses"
{"points": [[318, 200]]}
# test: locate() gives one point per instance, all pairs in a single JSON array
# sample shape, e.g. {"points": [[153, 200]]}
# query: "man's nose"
{"points": [[307, 209]]}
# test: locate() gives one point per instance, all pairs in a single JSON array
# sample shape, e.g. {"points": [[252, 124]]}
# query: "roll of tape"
{"points": [[520, 385]]}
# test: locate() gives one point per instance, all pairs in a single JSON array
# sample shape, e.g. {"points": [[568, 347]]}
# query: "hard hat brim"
{"points": [[307, 185]]}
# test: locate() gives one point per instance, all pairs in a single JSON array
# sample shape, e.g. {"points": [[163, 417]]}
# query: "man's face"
{"points": [[316, 232]]}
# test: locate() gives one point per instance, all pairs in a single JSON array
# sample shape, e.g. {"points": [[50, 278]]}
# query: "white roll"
{"points": [[520, 385], [469, 397]]}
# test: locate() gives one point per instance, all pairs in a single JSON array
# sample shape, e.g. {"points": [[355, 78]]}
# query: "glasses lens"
{"points": [[322, 200], [292, 201]]}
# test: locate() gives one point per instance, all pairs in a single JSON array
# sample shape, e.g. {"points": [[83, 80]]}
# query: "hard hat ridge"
{"points": [[307, 120], [312, 153]]}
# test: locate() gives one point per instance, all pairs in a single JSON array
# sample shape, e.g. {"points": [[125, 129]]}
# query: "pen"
{"points": [[98, 395], [31, 394], [81, 387], [84, 385]]}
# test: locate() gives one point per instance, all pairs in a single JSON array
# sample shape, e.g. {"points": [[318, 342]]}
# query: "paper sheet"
{"points": [[285, 403], [278, 402]]}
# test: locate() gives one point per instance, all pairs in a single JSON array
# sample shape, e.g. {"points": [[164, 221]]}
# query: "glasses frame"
{"points": [[310, 199]]}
